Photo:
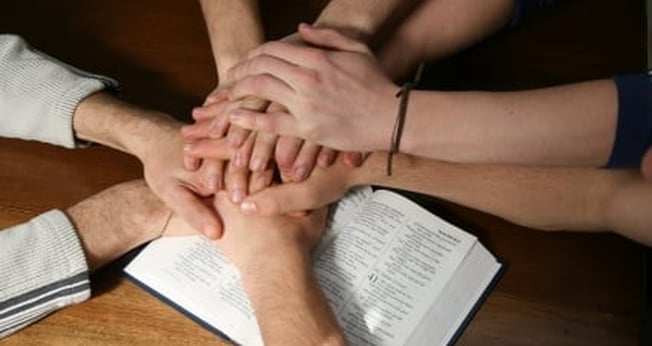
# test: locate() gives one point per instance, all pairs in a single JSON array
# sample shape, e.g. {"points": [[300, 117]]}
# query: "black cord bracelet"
{"points": [[397, 132]]}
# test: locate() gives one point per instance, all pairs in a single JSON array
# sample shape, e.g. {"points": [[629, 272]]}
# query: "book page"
{"points": [[341, 214], [386, 267], [193, 273], [454, 305]]}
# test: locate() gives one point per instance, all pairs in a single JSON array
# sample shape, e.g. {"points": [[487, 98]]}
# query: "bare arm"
{"points": [[439, 28], [155, 139], [359, 19], [117, 220], [341, 99], [272, 256], [289, 304], [567, 125], [541, 198], [234, 28]]}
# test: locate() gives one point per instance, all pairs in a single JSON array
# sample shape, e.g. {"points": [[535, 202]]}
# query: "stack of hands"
{"points": [[261, 127]]}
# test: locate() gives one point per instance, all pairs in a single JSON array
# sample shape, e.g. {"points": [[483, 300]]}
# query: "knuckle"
{"points": [[260, 82], [320, 57]]}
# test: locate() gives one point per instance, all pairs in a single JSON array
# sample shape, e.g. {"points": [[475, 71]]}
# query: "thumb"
{"points": [[329, 38], [196, 213], [283, 199]]}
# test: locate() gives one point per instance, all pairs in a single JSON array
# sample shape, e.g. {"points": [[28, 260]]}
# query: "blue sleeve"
{"points": [[634, 128], [523, 7]]}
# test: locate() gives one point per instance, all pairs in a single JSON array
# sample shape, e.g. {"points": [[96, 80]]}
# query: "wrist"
{"points": [[117, 220], [142, 133], [350, 21], [413, 130], [272, 260]]}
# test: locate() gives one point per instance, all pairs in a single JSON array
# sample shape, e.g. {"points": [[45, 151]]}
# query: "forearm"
{"points": [[542, 198], [359, 19], [439, 28], [567, 125], [289, 305], [117, 220], [104, 119], [225, 18]]}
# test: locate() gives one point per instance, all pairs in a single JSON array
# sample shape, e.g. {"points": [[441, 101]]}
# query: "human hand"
{"points": [[336, 97], [324, 186], [162, 156], [250, 240]]}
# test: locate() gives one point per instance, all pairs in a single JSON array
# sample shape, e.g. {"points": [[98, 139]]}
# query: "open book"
{"points": [[393, 273]]}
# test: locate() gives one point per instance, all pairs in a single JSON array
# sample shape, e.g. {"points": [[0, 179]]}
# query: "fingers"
{"points": [[242, 155], [264, 86], [326, 157], [287, 149], [260, 180], [237, 176], [209, 111], [206, 128], [331, 39], [235, 182], [291, 74], [285, 198], [262, 151], [192, 209], [279, 122], [216, 149], [217, 96], [305, 161], [213, 171], [291, 53], [191, 163], [237, 135], [354, 159]]}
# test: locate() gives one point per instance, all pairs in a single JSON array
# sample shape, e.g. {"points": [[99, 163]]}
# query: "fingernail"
{"points": [[237, 196], [187, 147], [257, 164], [300, 173], [248, 208]]}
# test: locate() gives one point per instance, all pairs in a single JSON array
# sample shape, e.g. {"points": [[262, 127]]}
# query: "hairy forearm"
{"points": [[289, 305], [567, 125], [542, 198], [104, 119], [234, 28], [117, 220]]}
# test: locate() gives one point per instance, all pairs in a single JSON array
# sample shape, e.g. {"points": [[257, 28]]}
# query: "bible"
{"points": [[393, 273]]}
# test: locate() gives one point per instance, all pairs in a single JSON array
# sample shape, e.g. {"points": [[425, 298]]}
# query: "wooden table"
{"points": [[560, 288]]}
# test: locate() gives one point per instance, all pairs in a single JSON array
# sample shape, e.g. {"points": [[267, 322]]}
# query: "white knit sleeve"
{"points": [[39, 94], [42, 269]]}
